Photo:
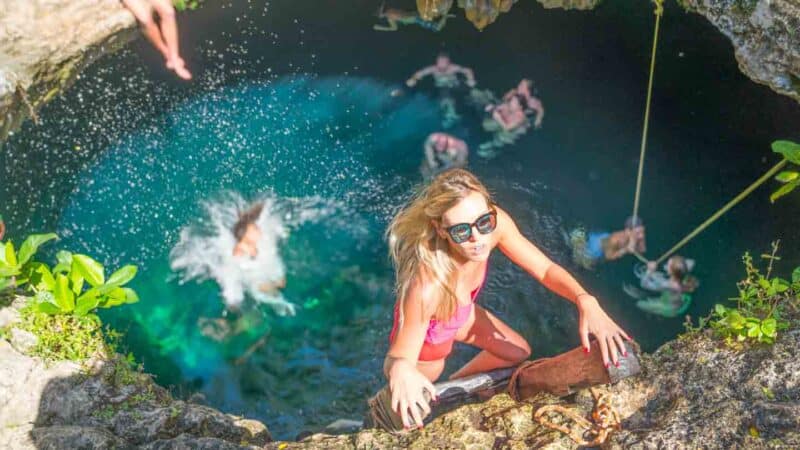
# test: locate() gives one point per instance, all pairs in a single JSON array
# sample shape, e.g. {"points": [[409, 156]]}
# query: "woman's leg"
{"points": [[169, 28], [144, 14], [502, 346]]}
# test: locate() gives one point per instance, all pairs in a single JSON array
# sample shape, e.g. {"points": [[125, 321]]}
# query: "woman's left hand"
{"points": [[593, 320]]}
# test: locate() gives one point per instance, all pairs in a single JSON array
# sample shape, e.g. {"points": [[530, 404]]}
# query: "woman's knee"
{"points": [[164, 9]]}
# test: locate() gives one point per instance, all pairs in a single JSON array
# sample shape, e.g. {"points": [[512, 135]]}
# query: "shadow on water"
{"points": [[291, 100]]}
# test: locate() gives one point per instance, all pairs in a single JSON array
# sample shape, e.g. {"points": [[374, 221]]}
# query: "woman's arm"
{"points": [[406, 383], [593, 320]]}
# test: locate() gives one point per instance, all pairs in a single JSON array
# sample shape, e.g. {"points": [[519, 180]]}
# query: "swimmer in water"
{"points": [[527, 100], [395, 17], [440, 245], [164, 34], [248, 236], [673, 287], [507, 123], [590, 248], [442, 152], [446, 79]]}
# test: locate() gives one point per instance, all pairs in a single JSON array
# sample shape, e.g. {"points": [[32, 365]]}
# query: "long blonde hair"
{"points": [[416, 247]]}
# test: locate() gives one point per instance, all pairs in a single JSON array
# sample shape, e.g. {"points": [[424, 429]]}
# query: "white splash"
{"points": [[205, 251]]}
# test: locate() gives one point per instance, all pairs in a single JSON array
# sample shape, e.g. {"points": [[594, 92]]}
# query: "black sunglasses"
{"points": [[485, 224]]}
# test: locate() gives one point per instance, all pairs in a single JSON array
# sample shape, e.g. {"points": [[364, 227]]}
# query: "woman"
{"points": [[440, 243]]}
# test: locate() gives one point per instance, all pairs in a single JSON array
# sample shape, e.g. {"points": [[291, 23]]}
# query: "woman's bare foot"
{"points": [[179, 67]]}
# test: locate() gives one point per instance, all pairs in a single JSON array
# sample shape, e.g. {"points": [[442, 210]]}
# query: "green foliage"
{"points": [[75, 285], [790, 178], [183, 5], [760, 307], [16, 267], [64, 337]]}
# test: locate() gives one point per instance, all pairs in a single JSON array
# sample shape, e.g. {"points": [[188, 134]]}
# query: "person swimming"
{"points": [[395, 17], [674, 286], [508, 121], [529, 102], [237, 245], [440, 243], [164, 34], [446, 78], [590, 248], [442, 152]]}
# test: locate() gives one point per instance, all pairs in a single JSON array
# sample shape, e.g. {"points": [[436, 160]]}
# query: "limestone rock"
{"points": [[102, 404], [61, 437], [765, 36], [44, 44]]}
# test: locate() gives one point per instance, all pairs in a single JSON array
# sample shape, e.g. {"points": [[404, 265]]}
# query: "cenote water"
{"points": [[291, 103]]}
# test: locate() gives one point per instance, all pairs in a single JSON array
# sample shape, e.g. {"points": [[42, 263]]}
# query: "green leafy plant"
{"points": [[760, 306], [17, 266], [790, 178], [77, 285], [183, 5]]}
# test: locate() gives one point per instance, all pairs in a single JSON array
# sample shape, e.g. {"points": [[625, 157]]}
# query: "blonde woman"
{"points": [[440, 243]]}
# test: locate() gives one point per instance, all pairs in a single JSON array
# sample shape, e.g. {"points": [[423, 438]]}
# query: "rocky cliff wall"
{"points": [[44, 45]]}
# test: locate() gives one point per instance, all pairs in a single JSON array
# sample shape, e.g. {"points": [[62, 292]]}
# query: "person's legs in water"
{"points": [[169, 29], [501, 346], [448, 106]]}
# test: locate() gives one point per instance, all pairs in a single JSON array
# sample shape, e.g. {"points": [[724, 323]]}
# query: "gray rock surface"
{"points": [[44, 45], [765, 36], [104, 404]]}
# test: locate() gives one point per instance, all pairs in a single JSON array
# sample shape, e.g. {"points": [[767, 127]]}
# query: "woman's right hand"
{"points": [[407, 386]]}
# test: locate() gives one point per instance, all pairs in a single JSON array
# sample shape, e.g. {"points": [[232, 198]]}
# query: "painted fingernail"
{"points": [[586, 350], [606, 364], [624, 353], [420, 427], [616, 363]]}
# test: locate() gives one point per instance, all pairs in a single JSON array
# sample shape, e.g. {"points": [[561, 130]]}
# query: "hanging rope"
{"points": [[723, 210], [658, 12]]}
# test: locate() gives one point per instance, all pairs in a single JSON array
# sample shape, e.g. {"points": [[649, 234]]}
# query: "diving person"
{"points": [[162, 34]]}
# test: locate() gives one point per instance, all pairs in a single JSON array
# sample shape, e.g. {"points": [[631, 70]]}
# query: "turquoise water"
{"points": [[292, 102]]}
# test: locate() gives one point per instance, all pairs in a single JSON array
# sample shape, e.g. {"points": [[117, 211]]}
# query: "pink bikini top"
{"points": [[445, 330]]}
